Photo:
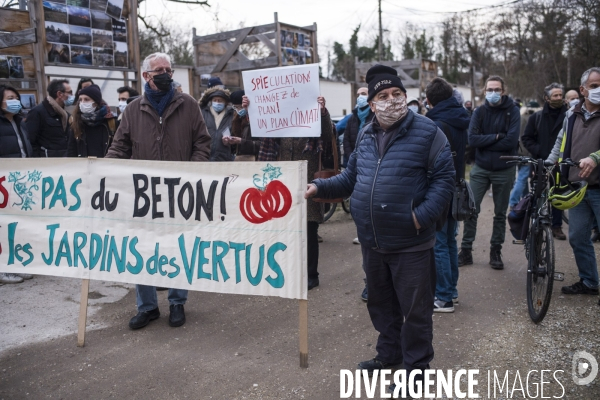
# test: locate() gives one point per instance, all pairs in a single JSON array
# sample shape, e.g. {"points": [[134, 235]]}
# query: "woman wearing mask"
{"points": [[361, 116], [246, 148], [414, 105], [83, 83], [92, 126], [14, 143], [218, 116]]}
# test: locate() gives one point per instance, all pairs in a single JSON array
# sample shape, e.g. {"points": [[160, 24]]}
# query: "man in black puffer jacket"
{"points": [[401, 179], [493, 132]]}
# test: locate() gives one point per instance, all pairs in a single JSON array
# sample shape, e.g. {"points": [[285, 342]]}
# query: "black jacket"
{"points": [[494, 132], [9, 144], [541, 131], [45, 129], [94, 141], [351, 131]]}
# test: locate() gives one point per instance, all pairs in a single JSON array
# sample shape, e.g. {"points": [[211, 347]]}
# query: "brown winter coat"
{"points": [[180, 135], [292, 149]]}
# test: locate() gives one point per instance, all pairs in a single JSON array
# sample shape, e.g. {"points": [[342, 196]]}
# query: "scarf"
{"points": [[60, 111], [159, 99], [217, 116], [362, 116], [268, 150], [97, 116]]}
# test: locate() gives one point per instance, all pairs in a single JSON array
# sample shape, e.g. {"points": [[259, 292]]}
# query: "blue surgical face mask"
{"points": [[242, 112], [13, 106], [361, 101], [414, 109], [492, 97], [70, 100], [218, 107]]}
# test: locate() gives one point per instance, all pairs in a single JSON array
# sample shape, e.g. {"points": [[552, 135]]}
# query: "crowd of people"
{"points": [[410, 253]]}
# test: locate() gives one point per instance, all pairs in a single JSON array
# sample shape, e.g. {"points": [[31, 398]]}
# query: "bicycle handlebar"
{"points": [[529, 160]]}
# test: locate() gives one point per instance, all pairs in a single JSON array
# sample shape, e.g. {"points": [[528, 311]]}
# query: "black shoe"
{"points": [[372, 365], [177, 315], [313, 283], [465, 257], [595, 236], [558, 233], [579, 288], [496, 258], [365, 294], [143, 318]]}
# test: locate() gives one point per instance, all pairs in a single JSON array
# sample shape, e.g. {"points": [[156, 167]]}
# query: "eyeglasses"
{"points": [[497, 90], [162, 71]]}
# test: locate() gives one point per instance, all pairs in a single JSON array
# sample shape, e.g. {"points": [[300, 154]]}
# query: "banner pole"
{"points": [[303, 333], [83, 305]]}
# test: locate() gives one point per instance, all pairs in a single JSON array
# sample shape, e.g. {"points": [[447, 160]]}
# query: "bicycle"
{"points": [[539, 242]]}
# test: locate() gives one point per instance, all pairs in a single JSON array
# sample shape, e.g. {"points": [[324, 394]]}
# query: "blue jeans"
{"points": [[521, 187], [581, 220], [146, 297], [446, 261]]}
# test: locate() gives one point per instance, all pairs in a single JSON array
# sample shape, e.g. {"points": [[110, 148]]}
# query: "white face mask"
{"points": [[390, 111], [122, 105], [86, 108], [414, 109], [594, 95], [573, 103]]}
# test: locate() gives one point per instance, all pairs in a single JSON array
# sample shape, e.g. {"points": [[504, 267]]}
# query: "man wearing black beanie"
{"points": [[401, 178]]}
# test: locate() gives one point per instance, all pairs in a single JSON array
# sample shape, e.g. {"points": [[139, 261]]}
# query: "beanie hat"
{"points": [[380, 77], [94, 92], [214, 81], [218, 93], [236, 97]]}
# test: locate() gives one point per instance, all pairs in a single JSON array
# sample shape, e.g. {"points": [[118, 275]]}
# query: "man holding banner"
{"points": [[401, 178], [161, 125]]}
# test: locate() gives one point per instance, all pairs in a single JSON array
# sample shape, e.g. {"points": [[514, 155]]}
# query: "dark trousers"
{"points": [[556, 218], [401, 290], [312, 244]]}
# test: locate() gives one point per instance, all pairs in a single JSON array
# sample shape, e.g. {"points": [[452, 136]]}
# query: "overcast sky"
{"points": [[335, 19]]}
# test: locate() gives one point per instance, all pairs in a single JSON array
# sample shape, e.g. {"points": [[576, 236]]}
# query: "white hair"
{"points": [[152, 57], [586, 75]]}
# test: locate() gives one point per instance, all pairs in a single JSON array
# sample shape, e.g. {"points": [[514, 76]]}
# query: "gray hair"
{"points": [[152, 57], [586, 74], [551, 86], [458, 96]]}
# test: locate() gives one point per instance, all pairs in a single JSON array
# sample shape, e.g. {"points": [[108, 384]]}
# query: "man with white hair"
{"points": [[164, 125]]}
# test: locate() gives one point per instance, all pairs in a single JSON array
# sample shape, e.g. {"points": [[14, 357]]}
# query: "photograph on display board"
{"points": [[119, 30], [98, 5], [120, 54], [289, 39], [301, 40], [81, 55], [80, 36], [114, 8], [58, 53], [60, 1], [101, 21], [102, 39], [15, 65], [28, 101], [283, 35], [295, 41], [79, 3], [309, 59], [4, 70], [55, 12], [58, 33], [306, 41], [289, 55], [301, 57], [103, 57], [79, 16]]}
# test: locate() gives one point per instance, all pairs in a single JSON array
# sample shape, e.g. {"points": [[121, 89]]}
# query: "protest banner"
{"points": [[283, 101], [216, 227]]}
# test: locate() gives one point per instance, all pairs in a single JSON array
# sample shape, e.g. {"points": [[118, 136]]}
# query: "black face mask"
{"points": [[163, 82]]}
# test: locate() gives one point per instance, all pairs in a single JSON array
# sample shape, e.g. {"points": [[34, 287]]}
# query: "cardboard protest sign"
{"points": [[283, 101], [216, 227]]}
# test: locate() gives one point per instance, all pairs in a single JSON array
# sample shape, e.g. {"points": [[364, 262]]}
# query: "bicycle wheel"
{"points": [[328, 212], [346, 204], [540, 271]]}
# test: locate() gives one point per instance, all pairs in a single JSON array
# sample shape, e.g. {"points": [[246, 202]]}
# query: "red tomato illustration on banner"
{"points": [[268, 200]]}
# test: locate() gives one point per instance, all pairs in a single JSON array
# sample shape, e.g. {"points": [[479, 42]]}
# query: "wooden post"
{"points": [[83, 304], [303, 333]]}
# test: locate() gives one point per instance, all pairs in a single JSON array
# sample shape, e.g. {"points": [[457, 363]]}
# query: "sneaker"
{"points": [[558, 233], [25, 276], [176, 315], [10, 278], [455, 300], [365, 294], [496, 258], [143, 318], [372, 365], [465, 257], [443, 306], [579, 288], [355, 241]]}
